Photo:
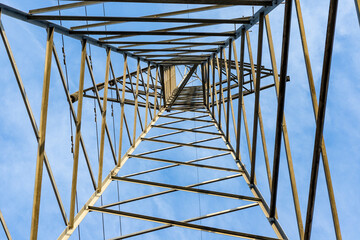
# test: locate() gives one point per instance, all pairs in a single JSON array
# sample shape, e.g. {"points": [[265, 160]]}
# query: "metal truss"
{"points": [[148, 92]]}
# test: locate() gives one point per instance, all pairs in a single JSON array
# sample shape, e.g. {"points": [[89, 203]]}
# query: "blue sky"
{"points": [[18, 144]]}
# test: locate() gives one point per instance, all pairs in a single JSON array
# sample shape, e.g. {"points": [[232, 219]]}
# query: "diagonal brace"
{"points": [[179, 223], [185, 163], [182, 85], [187, 189]]}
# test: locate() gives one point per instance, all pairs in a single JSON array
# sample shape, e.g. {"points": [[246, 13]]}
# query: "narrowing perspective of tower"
{"points": [[165, 119]]}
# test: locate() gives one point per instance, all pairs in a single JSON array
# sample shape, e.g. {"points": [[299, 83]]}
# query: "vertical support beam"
{"points": [[136, 100], [155, 90], [143, 84], [210, 96], [42, 134], [152, 82], [213, 86], [103, 120], [78, 134], [153, 86], [315, 108], [228, 94], [132, 89], [147, 95], [286, 139], [122, 102], [240, 74], [162, 80], [257, 97], [203, 80], [208, 84], [281, 103], [219, 66], [262, 132], [228, 73], [73, 114], [95, 89], [31, 116], [321, 118], [246, 128], [285, 136]]}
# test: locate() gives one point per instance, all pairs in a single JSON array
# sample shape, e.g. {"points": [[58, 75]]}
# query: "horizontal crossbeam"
{"points": [[164, 43], [177, 146], [188, 220], [173, 55], [191, 119], [187, 144], [228, 34], [245, 20], [168, 50], [179, 131], [185, 163], [179, 224], [165, 14], [187, 189], [171, 190], [188, 130], [174, 165], [223, 2]]}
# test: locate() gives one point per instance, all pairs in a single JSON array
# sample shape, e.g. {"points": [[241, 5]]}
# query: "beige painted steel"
{"points": [[42, 134], [62, 76], [189, 220], [169, 81], [155, 90], [169, 190], [215, 92], [229, 92], [96, 195], [147, 95], [158, 15], [188, 189], [61, 7], [6, 230], [186, 164], [285, 135], [77, 135], [210, 85], [30, 114], [243, 105], [276, 80], [261, 124], [136, 100], [315, 108], [98, 98], [221, 89], [122, 112], [274, 224], [103, 121], [242, 101], [180, 224], [357, 8]]}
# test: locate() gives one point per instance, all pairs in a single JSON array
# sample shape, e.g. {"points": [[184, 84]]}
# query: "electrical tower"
{"points": [[161, 143]]}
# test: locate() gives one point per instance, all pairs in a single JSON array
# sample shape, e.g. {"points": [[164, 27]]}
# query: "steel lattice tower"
{"points": [[172, 154]]}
